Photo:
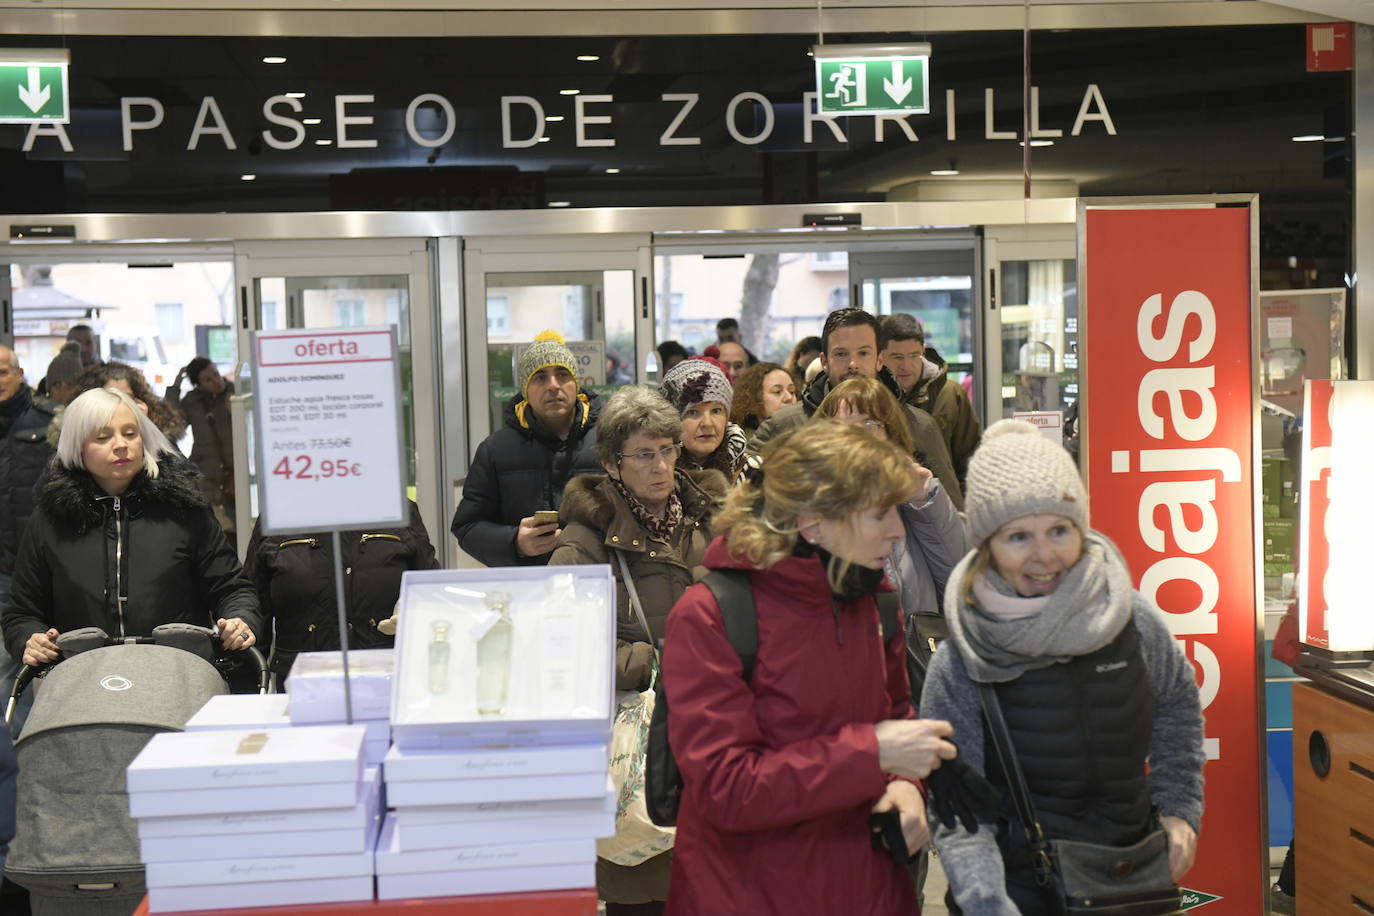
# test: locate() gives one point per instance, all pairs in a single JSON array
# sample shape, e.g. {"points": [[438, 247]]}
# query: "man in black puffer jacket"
{"points": [[520, 469], [24, 452]]}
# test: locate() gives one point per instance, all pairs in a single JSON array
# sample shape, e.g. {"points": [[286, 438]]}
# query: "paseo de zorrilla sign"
{"points": [[352, 121]]}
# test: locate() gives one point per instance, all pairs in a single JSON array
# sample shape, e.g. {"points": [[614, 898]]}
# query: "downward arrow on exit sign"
{"points": [[872, 79], [33, 86]]}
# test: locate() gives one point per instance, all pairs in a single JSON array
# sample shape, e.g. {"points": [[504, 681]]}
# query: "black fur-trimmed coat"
{"points": [[157, 545]]}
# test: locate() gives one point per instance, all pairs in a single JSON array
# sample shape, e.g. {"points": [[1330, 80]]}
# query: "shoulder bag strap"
{"points": [[638, 609], [1016, 781]]}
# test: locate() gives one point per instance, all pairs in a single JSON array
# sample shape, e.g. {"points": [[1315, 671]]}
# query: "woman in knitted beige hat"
{"points": [[702, 393], [1046, 626]]}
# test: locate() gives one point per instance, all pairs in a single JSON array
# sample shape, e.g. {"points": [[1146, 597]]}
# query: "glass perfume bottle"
{"points": [[438, 657], [493, 659]]}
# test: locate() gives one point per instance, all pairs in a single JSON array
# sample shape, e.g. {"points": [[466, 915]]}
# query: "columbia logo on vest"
{"points": [[1112, 666]]}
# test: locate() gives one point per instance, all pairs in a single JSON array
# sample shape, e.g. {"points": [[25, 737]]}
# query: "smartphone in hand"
{"points": [[546, 517]]}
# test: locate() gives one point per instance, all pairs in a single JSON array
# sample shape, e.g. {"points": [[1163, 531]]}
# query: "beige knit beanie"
{"points": [[1016, 471]]}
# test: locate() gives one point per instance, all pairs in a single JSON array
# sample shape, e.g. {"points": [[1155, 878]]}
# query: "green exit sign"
{"points": [[872, 79], [33, 86]]}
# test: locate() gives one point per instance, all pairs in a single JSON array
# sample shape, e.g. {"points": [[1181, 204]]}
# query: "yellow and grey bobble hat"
{"points": [[549, 349]]}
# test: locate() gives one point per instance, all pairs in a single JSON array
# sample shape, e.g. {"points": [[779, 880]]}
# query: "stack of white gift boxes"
{"points": [[315, 684], [492, 732], [501, 714], [258, 816]]}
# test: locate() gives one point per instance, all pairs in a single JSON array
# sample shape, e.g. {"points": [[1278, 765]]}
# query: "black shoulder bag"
{"points": [[1085, 879]]}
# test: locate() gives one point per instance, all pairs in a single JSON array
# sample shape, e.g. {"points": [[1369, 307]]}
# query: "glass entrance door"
{"points": [[594, 297], [935, 282], [378, 283], [1031, 337]]}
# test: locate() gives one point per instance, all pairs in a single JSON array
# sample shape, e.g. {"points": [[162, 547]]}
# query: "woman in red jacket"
{"points": [[781, 772]]}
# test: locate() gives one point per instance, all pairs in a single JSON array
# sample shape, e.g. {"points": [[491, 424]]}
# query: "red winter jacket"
{"points": [[779, 774]]}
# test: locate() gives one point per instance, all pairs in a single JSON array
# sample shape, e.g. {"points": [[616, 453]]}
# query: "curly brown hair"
{"points": [[871, 398], [167, 418], [747, 407]]}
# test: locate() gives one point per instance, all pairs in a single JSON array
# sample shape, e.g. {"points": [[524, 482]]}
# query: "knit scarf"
{"points": [[659, 527], [1086, 612]]}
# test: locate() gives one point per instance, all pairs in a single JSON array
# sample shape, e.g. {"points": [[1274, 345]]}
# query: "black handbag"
{"points": [[1085, 879]]}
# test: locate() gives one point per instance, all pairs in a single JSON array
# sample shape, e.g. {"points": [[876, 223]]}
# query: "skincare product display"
{"points": [[486, 649]]}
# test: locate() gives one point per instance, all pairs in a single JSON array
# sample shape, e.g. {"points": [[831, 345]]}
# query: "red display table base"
{"points": [[538, 903]]}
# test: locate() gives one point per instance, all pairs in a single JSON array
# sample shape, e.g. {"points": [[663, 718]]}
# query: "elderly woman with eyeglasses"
{"points": [[655, 517]]}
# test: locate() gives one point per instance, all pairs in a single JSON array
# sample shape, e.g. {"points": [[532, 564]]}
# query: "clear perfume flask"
{"points": [[438, 657], [493, 659]]}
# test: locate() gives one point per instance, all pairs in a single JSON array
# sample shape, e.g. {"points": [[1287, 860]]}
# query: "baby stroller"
{"points": [[75, 847]]}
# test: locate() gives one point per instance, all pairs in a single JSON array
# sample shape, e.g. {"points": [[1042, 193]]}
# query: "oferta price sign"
{"points": [[872, 79], [327, 425], [33, 86]]}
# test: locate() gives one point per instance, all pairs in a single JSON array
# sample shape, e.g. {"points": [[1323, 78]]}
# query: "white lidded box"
{"points": [[352, 818], [515, 656], [470, 775], [504, 823], [211, 761], [261, 893], [241, 710], [315, 686], [487, 869], [270, 839]]}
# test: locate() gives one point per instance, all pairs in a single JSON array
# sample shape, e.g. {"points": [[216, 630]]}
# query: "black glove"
{"points": [[959, 793], [886, 835]]}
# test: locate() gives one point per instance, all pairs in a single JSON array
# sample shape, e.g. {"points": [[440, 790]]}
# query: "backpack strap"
{"points": [[735, 597], [888, 603]]}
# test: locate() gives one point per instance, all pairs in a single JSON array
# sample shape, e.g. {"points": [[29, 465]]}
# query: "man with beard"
{"points": [[549, 437], [849, 347]]}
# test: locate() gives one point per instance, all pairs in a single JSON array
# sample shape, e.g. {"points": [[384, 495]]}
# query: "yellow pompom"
{"points": [[550, 335]]}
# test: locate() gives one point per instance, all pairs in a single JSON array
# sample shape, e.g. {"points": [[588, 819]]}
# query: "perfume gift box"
{"points": [[518, 657], [482, 869], [241, 710], [315, 686], [260, 834], [428, 777], [238, 895], [221, 772], [504, 823]]}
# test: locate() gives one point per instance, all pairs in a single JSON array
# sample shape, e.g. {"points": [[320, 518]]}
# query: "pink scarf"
{"points": [[1006, 607]]}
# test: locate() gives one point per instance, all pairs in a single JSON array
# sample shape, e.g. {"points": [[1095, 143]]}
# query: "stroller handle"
{"points": [[29, 672]]}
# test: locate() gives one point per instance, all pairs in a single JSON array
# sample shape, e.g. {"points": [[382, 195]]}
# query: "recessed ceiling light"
{"points": [[560, 203], [1334, 139], [248, 177], [589, 57], [944, 171], [1038, 143], [323, 142], [310, 120], [569, 91], [545, 139], [613, 171], [274, 60], [1309, 138], [553, 118], [295, 95]]}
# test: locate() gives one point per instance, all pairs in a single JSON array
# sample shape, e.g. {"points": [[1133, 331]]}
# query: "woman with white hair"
{"points": [[122, 540]]}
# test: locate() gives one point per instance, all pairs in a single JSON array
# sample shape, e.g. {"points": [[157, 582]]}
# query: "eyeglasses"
{"points": [[647, 459], [874, 426]]}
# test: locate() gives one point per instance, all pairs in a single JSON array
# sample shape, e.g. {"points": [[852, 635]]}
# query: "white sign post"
{"points": [[330, 448]]}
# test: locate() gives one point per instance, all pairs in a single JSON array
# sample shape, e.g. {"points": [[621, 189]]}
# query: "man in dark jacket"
{"points": [[548, 438], [849, 348], [923, 377], [24, 452]]}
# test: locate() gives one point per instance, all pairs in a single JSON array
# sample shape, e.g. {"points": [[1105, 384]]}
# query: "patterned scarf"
{"points": [[659, 527]]}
